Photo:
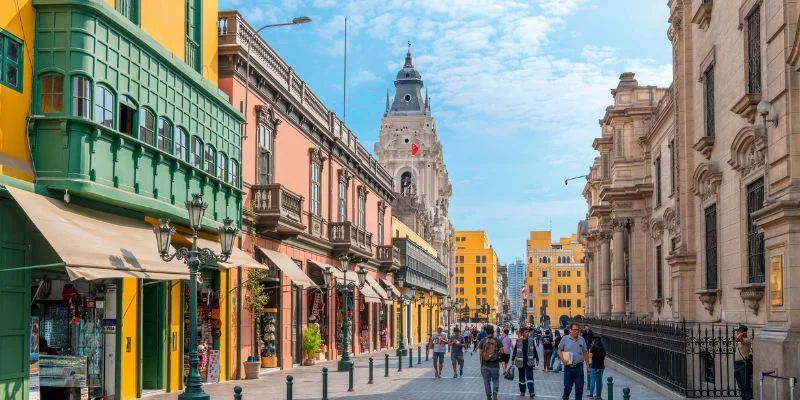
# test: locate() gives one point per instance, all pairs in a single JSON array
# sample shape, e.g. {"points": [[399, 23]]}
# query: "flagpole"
{"points": [[344, 78]]}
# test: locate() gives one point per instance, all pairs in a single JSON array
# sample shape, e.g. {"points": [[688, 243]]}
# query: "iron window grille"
{"points": [[658, 180], [754, 51], [708, 81], [711, 246], [673, 166], [755, 239], [659, 275]]}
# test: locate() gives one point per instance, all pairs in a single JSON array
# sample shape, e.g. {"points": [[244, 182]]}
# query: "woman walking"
{"points": [[597, 354]]}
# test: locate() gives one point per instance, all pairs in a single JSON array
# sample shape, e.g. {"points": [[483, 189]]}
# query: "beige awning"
{"points": [[238, 257], [98, 245], [378, 289], [391, 287], [288, 266], [369, 295]]}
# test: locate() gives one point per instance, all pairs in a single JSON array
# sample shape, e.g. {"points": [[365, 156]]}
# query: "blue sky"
{"points": [[516, 86]]}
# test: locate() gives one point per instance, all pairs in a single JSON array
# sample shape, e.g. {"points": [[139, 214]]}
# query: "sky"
{"points": [[517, 88]]}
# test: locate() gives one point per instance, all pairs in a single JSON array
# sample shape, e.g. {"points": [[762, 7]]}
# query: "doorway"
{"points": [[154, 337]]}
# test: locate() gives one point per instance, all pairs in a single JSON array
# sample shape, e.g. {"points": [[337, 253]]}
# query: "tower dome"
{"points": [[408, 90]]}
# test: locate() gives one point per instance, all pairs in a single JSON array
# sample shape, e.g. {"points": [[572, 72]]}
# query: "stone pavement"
{"points": [[408, 384]]}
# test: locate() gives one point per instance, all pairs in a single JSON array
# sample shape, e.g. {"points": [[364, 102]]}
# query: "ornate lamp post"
{"points": [[348, 289], [428, 303], [194, 258], [403, 301]]}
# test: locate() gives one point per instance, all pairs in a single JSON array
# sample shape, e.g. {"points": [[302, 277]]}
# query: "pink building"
{"points": [[312, 195]]}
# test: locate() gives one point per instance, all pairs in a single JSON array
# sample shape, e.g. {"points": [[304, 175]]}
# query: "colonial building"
{"points": [[410, 150], [516, 281], [476, 276], [556, 279], [693, 192]]}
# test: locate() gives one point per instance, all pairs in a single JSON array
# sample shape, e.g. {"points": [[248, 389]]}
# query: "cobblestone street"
{"points": [[416, 381]]}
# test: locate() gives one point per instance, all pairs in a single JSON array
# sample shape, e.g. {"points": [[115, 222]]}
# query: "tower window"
{"points": [[407, 97]]}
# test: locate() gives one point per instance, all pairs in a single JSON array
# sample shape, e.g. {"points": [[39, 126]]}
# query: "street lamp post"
{"points": [[194, 258], [428, 303], [403, 301], [348, 290]]}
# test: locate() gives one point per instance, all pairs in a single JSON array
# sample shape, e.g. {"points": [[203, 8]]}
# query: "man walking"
{"points": [[587, 335], [574, 354], [547, 349], [743, 363], [525, 359], [489, 353], [438, 342], [457, 353]]}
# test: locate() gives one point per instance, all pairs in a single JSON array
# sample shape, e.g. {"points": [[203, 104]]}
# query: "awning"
{"points": [[288, 266], [98, 245], [391, 287], [238, 257], [369, 295], [376, 287]]}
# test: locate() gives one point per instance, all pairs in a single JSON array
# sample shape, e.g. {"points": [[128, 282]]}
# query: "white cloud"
{"points": [[364, 76]]}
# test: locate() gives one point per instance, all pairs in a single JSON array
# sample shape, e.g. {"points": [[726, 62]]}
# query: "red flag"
{"points": [[414, 149]]}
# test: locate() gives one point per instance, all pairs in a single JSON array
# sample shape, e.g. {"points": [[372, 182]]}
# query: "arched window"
{"points": [[211, 156], [406, 183], [127, 115], [147, 127], [103, 106], [569, 259], [164, 135], [222, 165], [81, 96], [196, 152], [52, 96], [182, 144], [233, 172]]}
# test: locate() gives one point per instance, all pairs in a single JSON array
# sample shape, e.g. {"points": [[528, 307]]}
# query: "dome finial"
{"points": [[408, 57]]}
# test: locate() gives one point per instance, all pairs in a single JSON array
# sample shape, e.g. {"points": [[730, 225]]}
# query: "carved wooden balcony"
{"points": [[349, 239], [389, 257], [277, 210]]}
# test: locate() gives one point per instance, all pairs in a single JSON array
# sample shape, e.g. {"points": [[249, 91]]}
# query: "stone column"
{"points": [[618, 271], [590, 287], [605, 275]]}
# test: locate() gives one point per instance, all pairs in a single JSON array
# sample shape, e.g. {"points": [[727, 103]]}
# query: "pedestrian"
{"points": [[597, 354], [438, 342], [743, 363], [489, 353], [467, 338], [555, 362], [547, 349], [457, 353], [474, 338], [573, 352], [587, 335], [507, 347], [526, 358]]}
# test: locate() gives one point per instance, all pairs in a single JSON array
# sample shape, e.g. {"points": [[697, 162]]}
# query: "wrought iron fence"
{"points": [[691, 359]]}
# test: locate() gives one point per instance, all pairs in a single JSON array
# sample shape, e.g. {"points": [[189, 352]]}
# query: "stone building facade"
{"points": [[695, 190]]}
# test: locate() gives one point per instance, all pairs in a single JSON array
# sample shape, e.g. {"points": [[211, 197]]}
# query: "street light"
{"points": [[403, 300], [194, 258], [347, 288]]}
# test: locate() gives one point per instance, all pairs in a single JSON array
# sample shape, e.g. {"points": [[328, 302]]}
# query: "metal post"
{"points": [[345, 361], [289, 380], [370, 371], [237, 393], [419, 355], [399, 363], [350, 378], [426, 352], [194, 383], [401, 348], [610, 385], [386, 363], [626, 394], [410, 358], [325, 383]]}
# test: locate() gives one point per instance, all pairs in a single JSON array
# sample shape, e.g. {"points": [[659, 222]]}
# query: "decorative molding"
{"points": [[706, 180], [751, 295], [362, 190], [748, 150], [708, 297], [656, 228], [317, 155], [745, 107], [345, 175], [619, 224], [703, 15], [658, 304], [671, 223], [704, 146]]}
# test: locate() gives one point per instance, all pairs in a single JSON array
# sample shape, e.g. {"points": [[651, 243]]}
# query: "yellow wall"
{"points": [[129, 358], [210, 40], [539, 246], [401, 230], [224, 316], [469, 245], [14, 106], [175, 331], [164, 21]]}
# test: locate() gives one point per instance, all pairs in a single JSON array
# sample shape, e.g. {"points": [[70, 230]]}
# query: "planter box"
{"points": [[269, 362]]}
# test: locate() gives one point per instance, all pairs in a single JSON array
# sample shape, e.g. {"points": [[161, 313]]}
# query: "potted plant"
{"points": [[312, 340], [255, 301]]}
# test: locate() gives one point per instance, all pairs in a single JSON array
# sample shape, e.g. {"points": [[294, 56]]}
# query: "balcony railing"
{"points": [[388, 256], [348, 238], [278, 209]]}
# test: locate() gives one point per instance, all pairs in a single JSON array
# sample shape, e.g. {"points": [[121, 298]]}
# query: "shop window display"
{"points": [[363, 319], [317, 315], [340, 318], [208, 327], [268, 338]]}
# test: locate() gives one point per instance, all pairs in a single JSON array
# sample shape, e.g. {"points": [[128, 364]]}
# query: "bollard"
{"points": [[410, 358], [419, 355], [237, 393], [426, 353], [325, 383], [610, 384], [386, 363], [370, 371], [350, 378], [289, 380], [399, 363], [626, 394]]}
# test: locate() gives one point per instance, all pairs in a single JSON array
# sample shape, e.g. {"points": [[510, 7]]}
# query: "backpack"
{"points": [[490, 350], [547, 340]]}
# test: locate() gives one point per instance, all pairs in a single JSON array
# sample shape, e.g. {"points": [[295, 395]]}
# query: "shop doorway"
{"points": [[297, 335], [154, 323]]}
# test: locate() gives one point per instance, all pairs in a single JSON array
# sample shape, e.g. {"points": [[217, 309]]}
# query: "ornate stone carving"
{"points": [[619, 224], [671, 221], [708, 297], [706, 180], [748, 151], [751, 295], [317, 155], [658, 304], [345, 175], [704, 146], [656, 228], [362, 190]]}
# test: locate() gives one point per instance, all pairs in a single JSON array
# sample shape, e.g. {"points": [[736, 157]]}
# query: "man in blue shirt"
{"points": [[574, 354]]}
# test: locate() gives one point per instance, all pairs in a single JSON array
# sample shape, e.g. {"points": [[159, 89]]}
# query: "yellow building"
{"points": [[476, 274], [556, 287]]}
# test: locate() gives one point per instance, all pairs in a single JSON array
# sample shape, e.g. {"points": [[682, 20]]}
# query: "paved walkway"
{"points": [[416, 381]]}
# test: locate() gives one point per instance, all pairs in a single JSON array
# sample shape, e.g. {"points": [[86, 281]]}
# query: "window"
{"points": [[80, 96], [461, 259], [407, 185], [210, 157], [579, 273], [181, 144], [477, 290], [477, 259], [233, 172], [127, 114], [316, 187], [478, 269], [222, 165], [264, 154], [165, 137], [483, 269], [362, 208], [193, 14], [103, 106], [342, 200], [196, 152], [673, 166], [147, 127], [618, 144], [129, 9], [545, 288], [708, 83], [711, 247], [381, 216], [754, 51], [10, 61], [755, 239], [605, 167], [579, 302], [658, 180], [483, 280], [52, 93], [577, 288], [544, 273], [659, 275], [478, 280]]}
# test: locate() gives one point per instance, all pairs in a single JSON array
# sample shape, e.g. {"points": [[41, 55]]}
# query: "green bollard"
{"points": [[325, 383], [626, 394], [386, 363], [289, 380], [399, 363], [610, 384], [426, 353], [237, 393], [410, 358], [419, 355], [350, 378], [370, 371]]}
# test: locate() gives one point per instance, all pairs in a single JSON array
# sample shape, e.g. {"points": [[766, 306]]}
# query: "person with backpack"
{"points": [[525, 359], [597, 356], [490, 350], [547, 349], [555, 362]]}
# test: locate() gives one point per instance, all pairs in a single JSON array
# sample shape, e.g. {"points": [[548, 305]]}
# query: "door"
{"points": [[154, 337], [297, 334]]}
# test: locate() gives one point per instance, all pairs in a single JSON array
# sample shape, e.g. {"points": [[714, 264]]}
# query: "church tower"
{"points": [[409, 149]]}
